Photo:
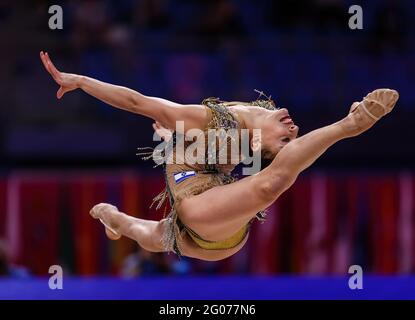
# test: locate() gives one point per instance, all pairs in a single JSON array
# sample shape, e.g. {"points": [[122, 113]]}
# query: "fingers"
{"points": [[49, 66], [43, 59], [53, 70]]}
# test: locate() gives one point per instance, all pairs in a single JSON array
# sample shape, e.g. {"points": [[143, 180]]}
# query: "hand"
{"points": [[163, 132], [67, 81]]}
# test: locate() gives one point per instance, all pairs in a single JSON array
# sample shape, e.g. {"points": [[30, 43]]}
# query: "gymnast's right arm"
{"points": [[161, 110]]}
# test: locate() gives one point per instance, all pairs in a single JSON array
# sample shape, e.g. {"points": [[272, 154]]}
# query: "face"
{"points": [[277, 131]]}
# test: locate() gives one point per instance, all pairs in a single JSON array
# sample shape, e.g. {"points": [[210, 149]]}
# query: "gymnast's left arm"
{"points": [[160, 110]]}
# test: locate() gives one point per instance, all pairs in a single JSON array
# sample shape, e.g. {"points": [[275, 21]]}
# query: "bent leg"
{"points": [[147, 233]]}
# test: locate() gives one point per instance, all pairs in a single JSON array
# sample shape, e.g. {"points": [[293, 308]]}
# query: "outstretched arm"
{"points": [[161, 110]]}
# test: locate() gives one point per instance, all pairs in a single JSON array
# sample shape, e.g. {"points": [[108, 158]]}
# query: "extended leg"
{"points": [[302, 152], [224, 209], [219, 212], [299, 154]]}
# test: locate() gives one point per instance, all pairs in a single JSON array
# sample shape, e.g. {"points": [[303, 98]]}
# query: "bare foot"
{"points": [[105, 213], [364, 114]]}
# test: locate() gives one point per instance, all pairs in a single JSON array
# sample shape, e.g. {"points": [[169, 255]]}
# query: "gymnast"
{"points": [[210, 211]]}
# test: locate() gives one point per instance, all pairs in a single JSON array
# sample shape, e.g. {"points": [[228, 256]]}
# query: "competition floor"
{"points": [[374, 287]]}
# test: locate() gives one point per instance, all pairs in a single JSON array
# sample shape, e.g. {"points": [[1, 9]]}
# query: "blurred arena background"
{"points": [[59, 158]]}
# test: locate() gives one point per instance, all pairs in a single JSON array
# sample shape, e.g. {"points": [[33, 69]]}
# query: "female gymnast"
{"points": [[211, 212]]}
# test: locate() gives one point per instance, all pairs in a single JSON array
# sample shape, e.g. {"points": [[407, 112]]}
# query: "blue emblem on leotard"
{"points": [[179, 177]]}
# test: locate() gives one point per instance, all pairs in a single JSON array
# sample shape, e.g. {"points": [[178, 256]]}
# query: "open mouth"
{"points": [[286, 120]]}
